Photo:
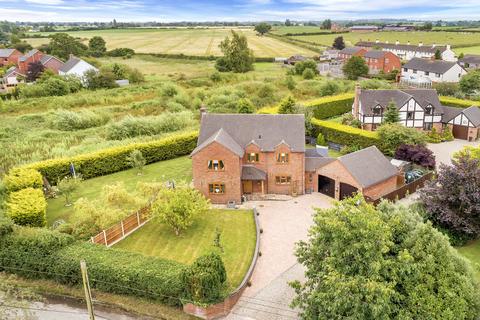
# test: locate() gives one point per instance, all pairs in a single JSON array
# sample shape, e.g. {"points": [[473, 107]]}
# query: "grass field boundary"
{"points": [[309, 33], [299, 43], [193, 57]]}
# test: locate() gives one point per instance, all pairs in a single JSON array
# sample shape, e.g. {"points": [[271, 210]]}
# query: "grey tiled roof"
{"points": [[375, 54], [223, 138], [371, 98], [470, 58], [449, 113], [72, 62], [368, 166], [313, 163], [252, 173], [5, 53], [350, 50], [403, 47], [28, 54], [434, 66], [473, 114], [265, 130]]}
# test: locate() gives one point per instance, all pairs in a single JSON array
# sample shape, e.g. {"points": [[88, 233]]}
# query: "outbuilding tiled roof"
{"points": [[368, 166], [434, 66], [470, 58], [313, 163]]}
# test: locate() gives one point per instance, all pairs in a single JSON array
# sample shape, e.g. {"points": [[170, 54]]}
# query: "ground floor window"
{"points": [[283, 180], [427, 126], [216, 188]]}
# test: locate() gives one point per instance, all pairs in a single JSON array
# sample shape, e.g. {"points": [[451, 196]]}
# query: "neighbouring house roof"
{"points": [[403, 47], [368, 166], [470, 58], [5, 53], [252, 173], [350, 50], [267, 131], [434, 66], [375, 54], [424, 97], [223, 138], [72, 62], [313, 163], [28, 54], [11, 71], [473, 114], [45, 58]]}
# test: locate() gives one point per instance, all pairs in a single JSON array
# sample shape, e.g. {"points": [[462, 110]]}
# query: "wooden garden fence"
{"points": [[120, 230]]}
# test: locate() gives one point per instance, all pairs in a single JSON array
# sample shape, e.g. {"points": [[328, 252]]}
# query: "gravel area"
{"points": [[444, 151]]}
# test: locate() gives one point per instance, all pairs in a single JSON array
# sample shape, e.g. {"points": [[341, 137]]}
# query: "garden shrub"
{"points": [[67, 120], [308, 74], [321, 140], [420, 155], [204, 280], [115, 159], [346, 135], [27, 207], [6, 225], [394, 135], [301, 66], [21, 178], [446, 88]]}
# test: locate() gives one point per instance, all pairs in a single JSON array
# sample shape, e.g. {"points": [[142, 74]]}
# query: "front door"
{"points": [[326, 186], [247, 186]]}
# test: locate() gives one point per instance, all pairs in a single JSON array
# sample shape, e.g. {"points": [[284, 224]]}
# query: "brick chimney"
{"points": [[356, 101], [203, 111]]}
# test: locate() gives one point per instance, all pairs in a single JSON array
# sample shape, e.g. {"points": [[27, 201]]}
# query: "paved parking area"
{"points": [[444, 151], [284, 223]]}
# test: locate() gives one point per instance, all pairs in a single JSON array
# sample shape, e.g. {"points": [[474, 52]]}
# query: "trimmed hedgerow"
{"points": [[346, 135], [115, 159], [27, 207], [457, 103], [328, 107], [34, 253], [21, 178]]}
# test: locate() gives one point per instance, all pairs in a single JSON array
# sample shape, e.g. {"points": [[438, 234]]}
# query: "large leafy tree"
{"points": [[355, 67], [97, 46], [62, 45], [237, 57], [470, 83], [391, 114], [263, 28], [178, 207], [453, 200], [338, 43], [326, 24], [384, 263]]}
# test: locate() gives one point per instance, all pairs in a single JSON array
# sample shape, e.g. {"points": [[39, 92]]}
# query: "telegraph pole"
{"points": [[86, 287]]}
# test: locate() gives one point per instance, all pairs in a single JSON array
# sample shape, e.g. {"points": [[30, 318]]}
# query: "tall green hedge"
{"points": [[27, 207], [42, 253], [115, 159], [457, 103], [328, 107], [21, 178], [346, 135]]}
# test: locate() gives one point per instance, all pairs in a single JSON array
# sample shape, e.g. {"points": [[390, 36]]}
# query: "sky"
{"points": [[235, 10]]}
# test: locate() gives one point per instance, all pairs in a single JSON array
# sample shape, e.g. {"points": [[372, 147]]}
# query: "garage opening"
{"points": [[346, 190], [326, 186], [460, 132]]}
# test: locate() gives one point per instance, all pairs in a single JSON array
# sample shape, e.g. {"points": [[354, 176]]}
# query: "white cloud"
{"points": [[46, 2]]}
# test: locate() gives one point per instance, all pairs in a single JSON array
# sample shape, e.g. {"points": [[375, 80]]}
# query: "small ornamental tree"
{"points": [[364, 262], [136, 160], [263, 28], [391, 114], [245, 106], [178, 207], [321, 140], [287, 106], [355, 67], [67, 186], [35, 70], [452, 201], [420, 155], [338, 43], [438, 55]]}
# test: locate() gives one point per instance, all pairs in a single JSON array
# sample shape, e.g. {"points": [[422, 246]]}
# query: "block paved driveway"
{"points": [[444, 151], [283, 223]]}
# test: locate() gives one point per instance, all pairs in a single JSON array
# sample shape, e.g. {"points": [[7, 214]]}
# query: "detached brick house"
{"points": [[348, 52], [418, 108], [9, 56], [257, 154], [376, 60]]}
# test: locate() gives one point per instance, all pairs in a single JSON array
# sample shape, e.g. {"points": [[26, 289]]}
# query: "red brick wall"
{"points": [[393, 62], [381, 188], [23, 66], [294, 168], [12, 59], [230, 176]]}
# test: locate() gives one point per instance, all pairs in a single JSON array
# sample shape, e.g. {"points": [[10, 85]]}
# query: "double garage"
{"points": [[465, 124], [326, 186]]}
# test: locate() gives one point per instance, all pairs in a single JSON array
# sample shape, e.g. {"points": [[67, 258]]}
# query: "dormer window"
{"points": [[377, 110], [215, 165], [429, 110], [282, 157]]}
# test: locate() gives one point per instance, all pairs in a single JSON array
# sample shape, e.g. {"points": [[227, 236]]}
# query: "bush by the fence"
{"points": [[346, 135], [42, 253], [27, 207], [21, 178], [328, 107], [457, 103], [115, 159]]}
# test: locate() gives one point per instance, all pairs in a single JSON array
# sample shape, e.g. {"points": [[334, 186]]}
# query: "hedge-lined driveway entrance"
{"points": [[284, 223]]}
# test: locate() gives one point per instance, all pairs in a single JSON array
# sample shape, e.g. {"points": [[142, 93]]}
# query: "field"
{"points": [[179, 169], [415, 37], [468, 50], [297, 29], [196, 42], [472, 252], [237, 229]]}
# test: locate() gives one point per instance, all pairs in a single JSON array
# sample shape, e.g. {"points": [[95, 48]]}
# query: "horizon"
{"points": [[168, 11]]}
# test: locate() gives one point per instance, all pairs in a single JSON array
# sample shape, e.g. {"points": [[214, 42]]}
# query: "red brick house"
{"points": [[9, 56], [33, 55], [347, 53], [51, 63], [378, 60], [259, 154]]}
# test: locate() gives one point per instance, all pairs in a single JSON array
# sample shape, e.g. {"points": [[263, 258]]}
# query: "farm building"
{"points": [[470, 61]]}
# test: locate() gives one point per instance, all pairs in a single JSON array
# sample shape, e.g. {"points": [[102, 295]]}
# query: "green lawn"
{"points": [[238, 240], [179, 169], [472, 252], [468, 50]]}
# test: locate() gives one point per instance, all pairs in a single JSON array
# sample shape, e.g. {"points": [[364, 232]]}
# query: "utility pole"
{"points": [[86, 287]]}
